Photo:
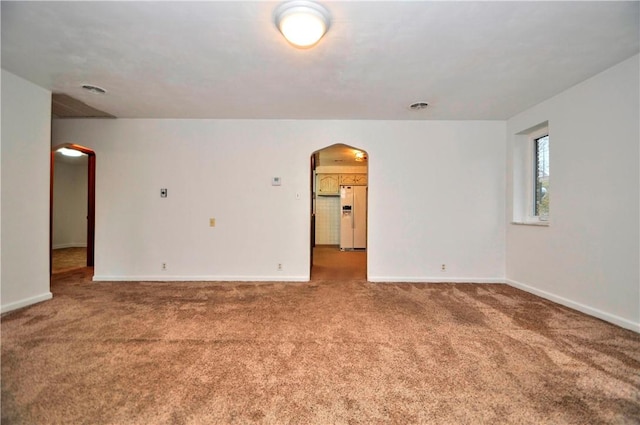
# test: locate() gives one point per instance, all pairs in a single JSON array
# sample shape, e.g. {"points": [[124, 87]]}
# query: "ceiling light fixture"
{"points": [[94, 89], [70, 152], [360, 156], [303, 23]]}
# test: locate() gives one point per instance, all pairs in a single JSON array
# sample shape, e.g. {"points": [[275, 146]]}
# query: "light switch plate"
{"points": [[163, 193]]}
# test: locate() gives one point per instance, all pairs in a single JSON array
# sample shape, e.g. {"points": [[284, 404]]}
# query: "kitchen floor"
{"points": [[329, 263]]}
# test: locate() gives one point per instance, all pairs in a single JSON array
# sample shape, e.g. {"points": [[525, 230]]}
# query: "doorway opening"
{"points": [[72, 208], [339, 210]]}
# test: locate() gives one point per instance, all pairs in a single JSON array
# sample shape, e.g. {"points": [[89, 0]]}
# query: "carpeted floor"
{"points": [[326, 352]]}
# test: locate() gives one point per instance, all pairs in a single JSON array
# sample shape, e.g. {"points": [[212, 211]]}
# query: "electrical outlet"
{"points": [[164, 267], [279, 267], [444, 268]]}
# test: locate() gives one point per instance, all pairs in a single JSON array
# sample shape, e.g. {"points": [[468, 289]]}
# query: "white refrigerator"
{"points": [[353, 217]]}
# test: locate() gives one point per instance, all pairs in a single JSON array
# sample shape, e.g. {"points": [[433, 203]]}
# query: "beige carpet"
{"points": [[328, 352]]}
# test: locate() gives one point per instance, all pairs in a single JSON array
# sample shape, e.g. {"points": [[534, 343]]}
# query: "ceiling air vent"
{"points": [[418, 106], [94, 89]]}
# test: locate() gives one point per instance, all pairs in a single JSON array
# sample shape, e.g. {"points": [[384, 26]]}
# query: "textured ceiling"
{"points": [[469, 60]]}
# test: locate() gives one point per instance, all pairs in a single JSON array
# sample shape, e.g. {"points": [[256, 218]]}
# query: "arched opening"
{"points": [[339, 211], [79, 164]]}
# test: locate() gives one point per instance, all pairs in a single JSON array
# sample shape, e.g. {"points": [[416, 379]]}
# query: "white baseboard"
{"points": [[611, 318], [70, 245], [165, 278], [413, 279], [26, 302], [208, 278]]}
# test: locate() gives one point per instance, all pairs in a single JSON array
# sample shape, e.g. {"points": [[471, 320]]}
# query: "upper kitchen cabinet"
{"points": [[328, 184], [353, 179]]}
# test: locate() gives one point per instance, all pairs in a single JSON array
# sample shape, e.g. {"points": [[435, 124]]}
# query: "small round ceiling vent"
{"points": [[418, 106], [94, 89]]}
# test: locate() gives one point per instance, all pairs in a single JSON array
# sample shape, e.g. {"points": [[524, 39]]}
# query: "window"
{"points": [[541, 183], [531, 176]]}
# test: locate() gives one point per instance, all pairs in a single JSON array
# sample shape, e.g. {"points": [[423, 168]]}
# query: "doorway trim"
{"points": [[314, 190], [91, 201]]}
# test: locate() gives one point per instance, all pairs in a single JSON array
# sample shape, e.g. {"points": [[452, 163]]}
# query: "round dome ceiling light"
{"points": [[418, 106], [303, 23], [94, 89]]}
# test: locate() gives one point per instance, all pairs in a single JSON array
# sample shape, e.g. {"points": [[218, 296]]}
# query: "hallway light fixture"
{"points": [[70, 152], [360, 156], [303, 23]]}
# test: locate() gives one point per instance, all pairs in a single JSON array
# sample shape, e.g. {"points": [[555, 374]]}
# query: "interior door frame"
{"points": [[91, 201], [314, 163], [312, 214]]}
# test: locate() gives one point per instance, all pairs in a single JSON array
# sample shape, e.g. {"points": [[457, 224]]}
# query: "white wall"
{"points": [[588, 258], [70, 204], [26, 118], [436, 195]]}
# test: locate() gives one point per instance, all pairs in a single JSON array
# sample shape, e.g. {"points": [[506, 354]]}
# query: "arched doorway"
{"points": [[339, 211], [90, 163]]}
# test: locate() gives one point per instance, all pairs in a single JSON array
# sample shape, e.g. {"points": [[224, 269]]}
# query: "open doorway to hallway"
{"points": [[339, 192], [72, 208]]}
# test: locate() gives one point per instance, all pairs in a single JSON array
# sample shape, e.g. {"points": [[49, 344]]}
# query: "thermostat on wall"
{"points": [[275, 181]]}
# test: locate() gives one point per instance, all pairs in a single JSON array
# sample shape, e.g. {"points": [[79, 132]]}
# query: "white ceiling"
{"points": [[469, 60]]}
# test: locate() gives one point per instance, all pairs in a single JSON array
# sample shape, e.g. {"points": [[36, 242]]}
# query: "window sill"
{"points": [[532, 223]]}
